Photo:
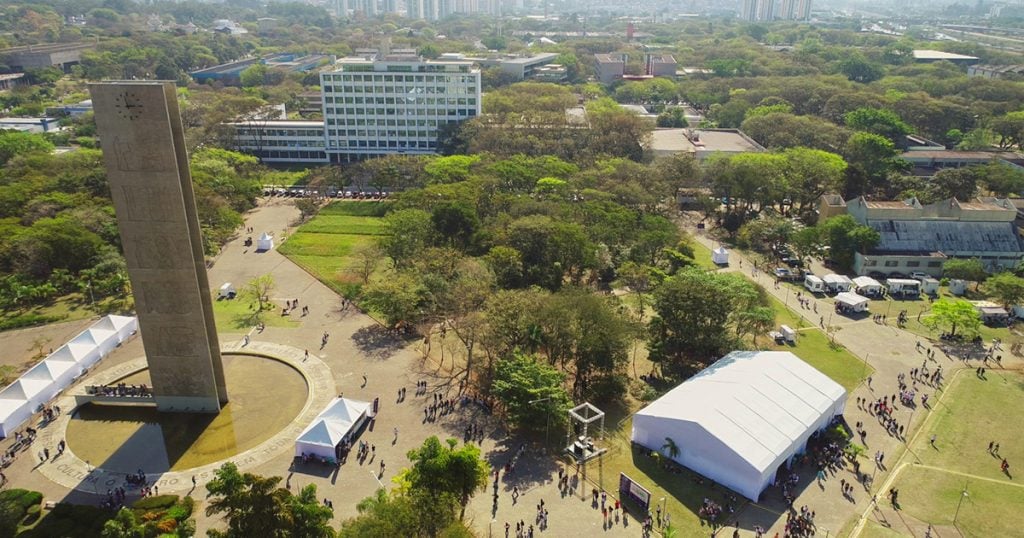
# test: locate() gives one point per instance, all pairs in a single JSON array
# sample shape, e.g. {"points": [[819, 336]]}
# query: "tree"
{"points": [[401, 297], [409, 232], [414, 513], [365, 258], [755, 321], [845, 237], [858, 69], [455, 223], [964, 269], [779, 131], [959, 183], [307, 207], [670, 448], [872, 157], [507, 265], [253, 76], [531, 392], [879, 121], [445, 470], [696, 315], [1007, 288], [309, 517], [258, 290], [1001, 179], [954, 315], [252, 505], [14, 143]]}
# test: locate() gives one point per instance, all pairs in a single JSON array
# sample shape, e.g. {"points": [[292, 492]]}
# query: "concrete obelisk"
{"points": [[144, 150]]}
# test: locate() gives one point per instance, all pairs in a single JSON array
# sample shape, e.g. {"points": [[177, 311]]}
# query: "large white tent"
{"points": [[56, 372], [739, 420], [720, 256], [330, 428]]}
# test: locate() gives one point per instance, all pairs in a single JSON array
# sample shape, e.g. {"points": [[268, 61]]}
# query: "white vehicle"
{"points": [[814, 284], [919, 275], [227, 291]]}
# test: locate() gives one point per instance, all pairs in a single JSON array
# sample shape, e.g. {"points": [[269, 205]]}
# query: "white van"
{"points": [[814, 284]]}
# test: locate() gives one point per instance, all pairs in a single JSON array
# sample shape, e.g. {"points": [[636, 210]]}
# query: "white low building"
{"points": [[741, 419], [837, 283]]}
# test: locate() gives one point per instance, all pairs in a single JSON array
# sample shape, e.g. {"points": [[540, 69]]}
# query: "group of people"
{"points": [[799, 524], [121, 390], [293, 304], [441, 406]]}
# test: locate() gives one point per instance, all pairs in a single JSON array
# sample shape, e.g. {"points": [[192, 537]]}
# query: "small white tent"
{"points": [[851, 302], [867, 286], [330, 428], [740, 419], [837, 283], [720, 256], [265, 242]]}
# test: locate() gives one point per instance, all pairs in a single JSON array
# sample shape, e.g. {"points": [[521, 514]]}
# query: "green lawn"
{"points": [[322, 245], [702, 255], [355, 208], [876, 530], [972, 413], [988, 510], [344, 224], [236, 315]]}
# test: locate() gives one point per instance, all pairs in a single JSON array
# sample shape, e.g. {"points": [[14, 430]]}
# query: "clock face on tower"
{"points": [[128, 105]]}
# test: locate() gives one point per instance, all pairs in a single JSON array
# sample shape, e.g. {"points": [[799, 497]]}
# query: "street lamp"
{"points": [[963, 495]]}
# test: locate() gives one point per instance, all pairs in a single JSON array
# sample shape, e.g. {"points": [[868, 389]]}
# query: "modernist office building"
{"points": [[394, 103], [372, 105]]}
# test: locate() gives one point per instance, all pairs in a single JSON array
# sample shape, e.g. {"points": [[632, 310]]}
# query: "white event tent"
{"points": [[330, 428], [265, 242], [852, 301], [867, 285], [837, 283], [740, 419], [42, 382]]}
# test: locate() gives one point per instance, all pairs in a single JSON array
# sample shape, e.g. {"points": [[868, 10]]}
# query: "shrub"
{"points": [[31, 515], [27, 320], [182, 510], [156, 502]]}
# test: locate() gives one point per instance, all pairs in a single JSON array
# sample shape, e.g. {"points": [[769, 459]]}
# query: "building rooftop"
{"points": [[924, 54], [608, 58], [945, 236], [48, 47], [663, 58], [702, 141]]}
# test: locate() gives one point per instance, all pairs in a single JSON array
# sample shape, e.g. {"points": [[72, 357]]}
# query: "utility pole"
{"points": [[963, 495]]}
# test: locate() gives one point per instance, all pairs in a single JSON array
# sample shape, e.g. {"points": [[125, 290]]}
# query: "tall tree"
{"points": [[252, 505], [531, 392], [953, 315], [845, 237], [1007, 288], [441, 469]]}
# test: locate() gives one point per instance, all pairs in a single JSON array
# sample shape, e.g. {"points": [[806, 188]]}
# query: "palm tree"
{"points": [[670, 448]]}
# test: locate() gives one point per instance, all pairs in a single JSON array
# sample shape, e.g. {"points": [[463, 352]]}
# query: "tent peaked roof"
{"points": [[31, 387], [14, 391], [101, 334], [62, 354], [119, 322], [756, 403], [58, 367], [266, 236], [321, 433], [40, 372], [331, 425]]}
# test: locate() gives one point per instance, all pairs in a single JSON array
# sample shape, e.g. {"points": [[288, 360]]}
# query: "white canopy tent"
{"points": [[330, 428], [852, 301], [47, 379], [720, 256], [265, 242], [739, 420], [838, 283], [867, 285]]}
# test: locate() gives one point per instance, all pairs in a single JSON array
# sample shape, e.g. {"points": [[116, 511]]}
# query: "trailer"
{"points": [[814, 284]]}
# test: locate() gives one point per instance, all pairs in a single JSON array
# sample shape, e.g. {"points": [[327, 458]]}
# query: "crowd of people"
{"points": [[121, 390]]}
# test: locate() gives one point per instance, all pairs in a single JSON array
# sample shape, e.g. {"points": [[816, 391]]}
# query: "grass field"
{"points": [[815, 348], [322, 245], [988, 510], [972, 413], [236, 315]]}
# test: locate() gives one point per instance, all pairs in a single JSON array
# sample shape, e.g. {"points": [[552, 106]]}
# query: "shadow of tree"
{"points": [[377, 342]]}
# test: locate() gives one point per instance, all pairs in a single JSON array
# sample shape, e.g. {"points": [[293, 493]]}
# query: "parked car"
{"points": [[897, 274], [793, 262], [877, 275], [919, 275]]}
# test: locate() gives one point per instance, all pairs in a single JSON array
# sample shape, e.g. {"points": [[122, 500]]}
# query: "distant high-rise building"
{"points": [[767, 10]]}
